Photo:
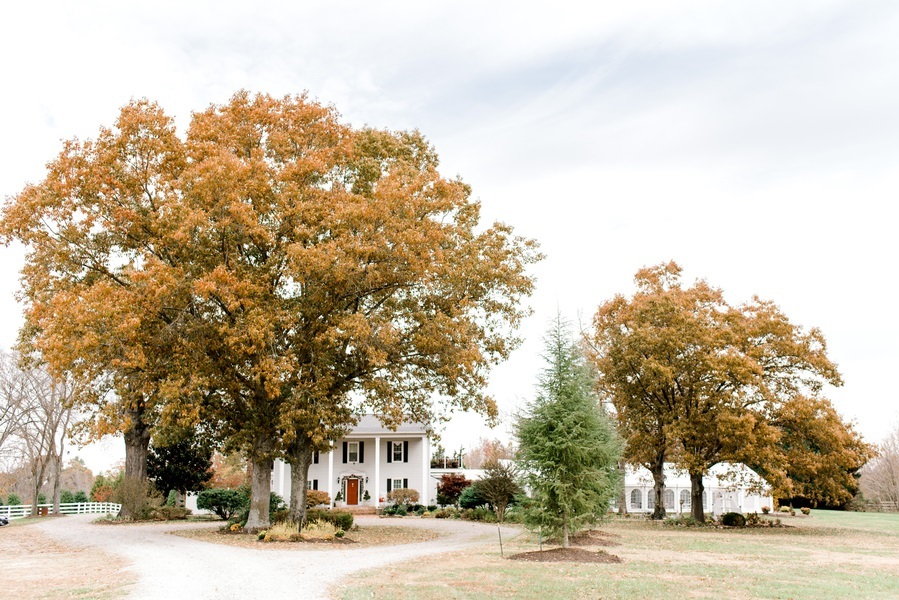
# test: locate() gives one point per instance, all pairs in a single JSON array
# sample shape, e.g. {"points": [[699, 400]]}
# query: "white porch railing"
{"points": [[68, 508]]}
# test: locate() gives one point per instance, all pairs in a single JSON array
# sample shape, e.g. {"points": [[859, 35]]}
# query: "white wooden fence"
{"points": [[68, 508]]}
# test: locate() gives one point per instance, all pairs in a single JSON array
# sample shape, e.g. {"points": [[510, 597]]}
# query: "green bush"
{"points": [[401, 510], [13, 500], [733, 519], [471, 497], [681, 521], [66, 497], [172, 498], [42, 498], [446, 513], [389, 510], [340, 519], [479, 513], [806, 510], [785, 509], [225, 503], [80, 496], [432, 507]]}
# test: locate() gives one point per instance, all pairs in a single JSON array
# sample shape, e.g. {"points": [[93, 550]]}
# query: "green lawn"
{"points": [[826, 555]]}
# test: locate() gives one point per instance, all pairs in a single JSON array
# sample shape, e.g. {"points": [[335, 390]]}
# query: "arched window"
{"points": [[705, 500], [685, 499], [651, 500], [669, 499], [636, 499]]}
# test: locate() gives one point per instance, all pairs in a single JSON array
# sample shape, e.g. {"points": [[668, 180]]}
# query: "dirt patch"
{"points": [[35, 564], [369, 535], [567, 555], [594, 538]]}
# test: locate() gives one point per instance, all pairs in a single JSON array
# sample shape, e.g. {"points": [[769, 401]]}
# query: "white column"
{"points": [[331, 473], [377, 497], [285, 481], [425, 469]]}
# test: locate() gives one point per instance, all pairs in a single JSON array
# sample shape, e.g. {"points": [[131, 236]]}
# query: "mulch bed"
{"points": [[567, 555], [594, 538]]}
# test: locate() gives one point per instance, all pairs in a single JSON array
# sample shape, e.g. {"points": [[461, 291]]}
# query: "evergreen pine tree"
{"points": [[568, 447]]}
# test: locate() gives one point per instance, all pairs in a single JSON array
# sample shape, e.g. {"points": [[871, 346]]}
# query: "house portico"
{"points": [[367, 464]]}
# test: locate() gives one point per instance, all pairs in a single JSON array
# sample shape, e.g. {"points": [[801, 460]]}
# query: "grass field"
{"points": [[825, 555]]}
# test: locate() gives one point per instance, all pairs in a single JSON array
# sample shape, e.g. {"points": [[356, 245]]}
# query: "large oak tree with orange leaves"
{"points": [[698, 381], [273, 273]]}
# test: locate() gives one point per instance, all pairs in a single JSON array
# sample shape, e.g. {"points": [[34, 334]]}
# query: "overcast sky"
{"points": [[755, 143]]}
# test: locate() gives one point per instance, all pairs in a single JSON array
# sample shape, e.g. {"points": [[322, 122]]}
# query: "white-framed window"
{"points": [[669, 499], [651, 500], [312, 484], [636, 499], [397, 451], [685, 499], [352, 452], [397, 484]]}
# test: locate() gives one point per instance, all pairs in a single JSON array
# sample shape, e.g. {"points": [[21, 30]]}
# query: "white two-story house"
{"points": [[367, 464]]}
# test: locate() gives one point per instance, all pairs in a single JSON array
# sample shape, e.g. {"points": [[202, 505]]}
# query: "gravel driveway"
{"points": [[169, 566]]}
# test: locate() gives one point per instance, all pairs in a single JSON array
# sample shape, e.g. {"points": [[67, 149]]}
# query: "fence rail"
{"points": [[67, 508]]}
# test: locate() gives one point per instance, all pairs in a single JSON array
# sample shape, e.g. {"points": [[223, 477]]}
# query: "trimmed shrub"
{"points": [[389, 510], [766, 509], [403, 496], [733, 519], [432, 507], [401, 510], [42, 498], [66, 497], [806, 510], [80, 496], [225, 503], [785, 509], [169, 513], [316, 498], [340, 519], [13, 500]]}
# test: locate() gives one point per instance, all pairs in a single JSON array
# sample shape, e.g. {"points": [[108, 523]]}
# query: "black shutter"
{"points": [[315, 484], [361, 452], [405, 483], [389, 452], [406, 451], [389, 484], [344, 452], [315, 457]]}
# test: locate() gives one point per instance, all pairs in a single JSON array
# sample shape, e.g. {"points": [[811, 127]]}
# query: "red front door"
{"points": [[352, 491]]}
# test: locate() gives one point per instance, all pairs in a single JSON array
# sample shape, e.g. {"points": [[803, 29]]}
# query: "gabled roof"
{"points": [[370, 425]]}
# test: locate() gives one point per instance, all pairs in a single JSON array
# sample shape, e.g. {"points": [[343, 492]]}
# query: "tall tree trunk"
{"points": [[299, 455], [696, 489], [137, 448], [260, 494], [57, 473], [657, 468], [38, 469]]}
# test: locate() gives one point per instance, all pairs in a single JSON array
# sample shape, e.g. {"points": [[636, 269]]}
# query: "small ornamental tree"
{"points": [[567, 447], [403, 496], [498, 487], [450, 487]]}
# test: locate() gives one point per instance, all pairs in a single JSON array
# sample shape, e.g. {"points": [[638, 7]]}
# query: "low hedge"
{"points": [[340, 520]]}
